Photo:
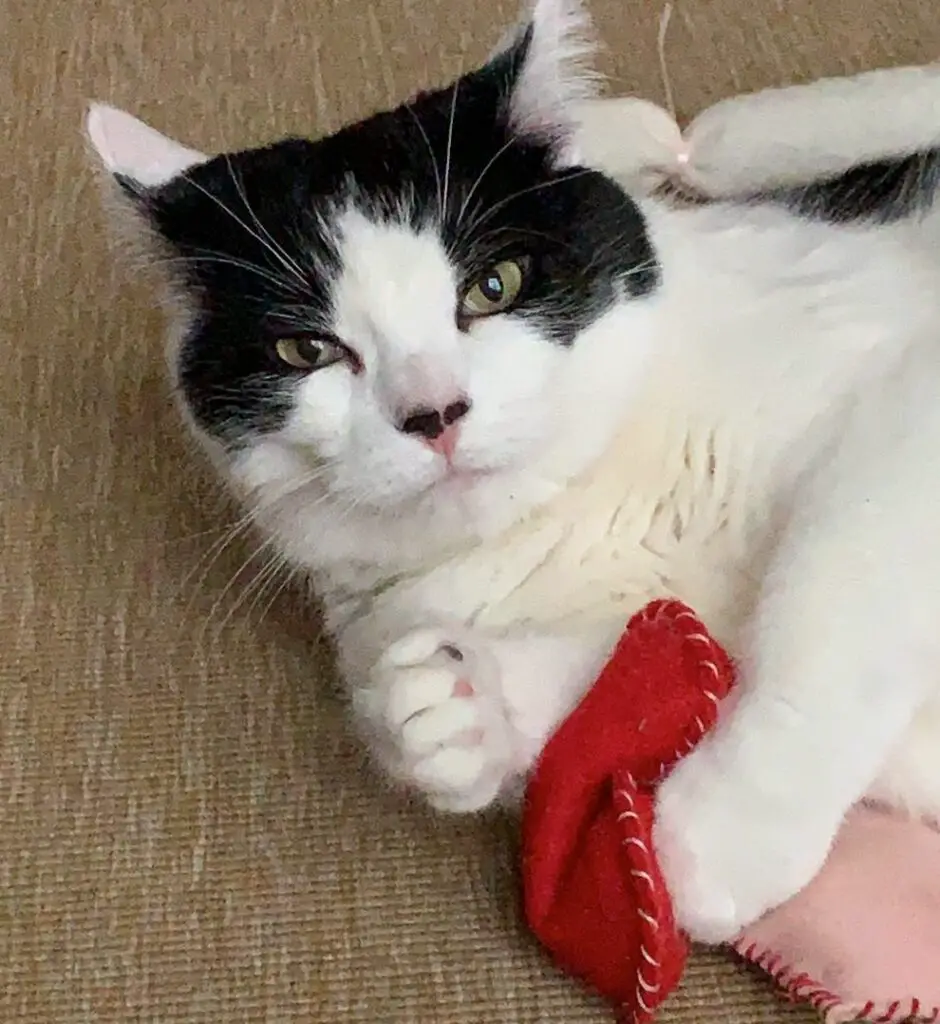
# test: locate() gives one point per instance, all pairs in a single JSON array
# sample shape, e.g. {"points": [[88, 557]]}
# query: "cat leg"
{"points": [[632, 140], [459, 714], [785, 137], [764, 140], [841, 659]]}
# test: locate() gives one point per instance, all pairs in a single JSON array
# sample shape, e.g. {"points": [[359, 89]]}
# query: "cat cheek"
{"points": [[323, 413]]}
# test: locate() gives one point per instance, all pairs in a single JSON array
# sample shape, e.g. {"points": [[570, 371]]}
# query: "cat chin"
{"points": [[368, 540]]}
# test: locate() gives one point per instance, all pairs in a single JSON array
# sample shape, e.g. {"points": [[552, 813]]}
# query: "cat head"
{"points": [[407, 333]]}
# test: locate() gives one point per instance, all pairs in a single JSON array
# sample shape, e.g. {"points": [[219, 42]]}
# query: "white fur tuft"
{"points": [[558, 71]]}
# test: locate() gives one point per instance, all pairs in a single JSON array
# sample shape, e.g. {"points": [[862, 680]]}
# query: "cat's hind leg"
{"points": [[780, 138], [634, 141]]}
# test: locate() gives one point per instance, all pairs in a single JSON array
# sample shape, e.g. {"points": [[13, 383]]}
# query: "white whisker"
{"points": [[496, 207], [227, 210], [273, 246], [434, 163], [463, 207], [231, 261], [450, 146]]}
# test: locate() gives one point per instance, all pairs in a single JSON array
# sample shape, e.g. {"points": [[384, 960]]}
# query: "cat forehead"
{"points": [[406, 166], [394, 198], [396, 285], [388, 259]]}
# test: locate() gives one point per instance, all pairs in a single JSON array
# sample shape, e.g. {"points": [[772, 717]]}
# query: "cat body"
{"points": [[493, 406]]}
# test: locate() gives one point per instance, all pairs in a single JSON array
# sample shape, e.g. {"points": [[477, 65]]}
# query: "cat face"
{"points": [[408, 315]]}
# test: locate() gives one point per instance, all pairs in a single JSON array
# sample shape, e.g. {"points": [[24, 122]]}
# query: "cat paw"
{"points": [[729, 851], [435, 701]]}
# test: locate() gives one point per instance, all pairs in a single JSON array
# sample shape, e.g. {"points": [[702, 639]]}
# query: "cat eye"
{"points": [[494, 291], [309, 353]]}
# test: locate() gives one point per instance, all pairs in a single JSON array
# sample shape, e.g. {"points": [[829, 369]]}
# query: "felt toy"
{"points": [[861, 942]]}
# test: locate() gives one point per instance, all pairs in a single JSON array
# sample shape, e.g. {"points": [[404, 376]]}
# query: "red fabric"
{"points": [[592, 890]]}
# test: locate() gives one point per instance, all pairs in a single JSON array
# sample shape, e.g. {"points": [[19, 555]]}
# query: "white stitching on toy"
{"points": [[648, 958], [645, 875], [649, 919], [645, 985]]}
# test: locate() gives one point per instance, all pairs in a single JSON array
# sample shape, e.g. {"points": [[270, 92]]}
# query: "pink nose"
{"points": [[438, 430], [445, 442]]}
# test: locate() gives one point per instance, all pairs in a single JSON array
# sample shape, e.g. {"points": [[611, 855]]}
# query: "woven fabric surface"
{"points": [[187, 831]]}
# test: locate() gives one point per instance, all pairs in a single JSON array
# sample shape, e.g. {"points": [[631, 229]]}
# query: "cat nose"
{"points": [[437, 428]]}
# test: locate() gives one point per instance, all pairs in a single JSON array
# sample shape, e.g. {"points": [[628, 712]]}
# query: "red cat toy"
{"points": [[861, 942]]}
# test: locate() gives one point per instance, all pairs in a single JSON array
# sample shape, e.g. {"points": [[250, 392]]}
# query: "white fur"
{"points": [[759, 438], [558, 73]]}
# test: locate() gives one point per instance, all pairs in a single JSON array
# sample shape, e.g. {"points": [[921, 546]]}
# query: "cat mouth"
{"points": [[459, 478]]}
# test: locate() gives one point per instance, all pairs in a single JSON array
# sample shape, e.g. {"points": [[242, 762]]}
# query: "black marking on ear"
{"points": [[131, 188], [882, 191]]}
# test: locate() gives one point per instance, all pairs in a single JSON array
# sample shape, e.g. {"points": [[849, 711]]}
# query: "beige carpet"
{"points": [[187, 834]]}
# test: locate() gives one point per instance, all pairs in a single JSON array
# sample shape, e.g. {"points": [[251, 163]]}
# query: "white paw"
{"points": [[435, 703], [729, 850]]}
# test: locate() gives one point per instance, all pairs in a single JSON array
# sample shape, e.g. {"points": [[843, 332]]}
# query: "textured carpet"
{"points": [[187, 833]]}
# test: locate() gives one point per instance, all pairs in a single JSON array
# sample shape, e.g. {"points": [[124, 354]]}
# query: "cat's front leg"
{"points": [[749, 818], [842, 654], [432, 709], [460, 714]]}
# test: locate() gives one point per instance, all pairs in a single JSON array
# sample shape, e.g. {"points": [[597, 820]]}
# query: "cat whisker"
{"points": [[272, 250], [276, 248], [473, 188], [275, 570], [240, 528], [496, 207], [255, 589], [220, 259], [434, 162], [220, 598], [299, 315], [283, 578], [205, 563], [450, 148]]}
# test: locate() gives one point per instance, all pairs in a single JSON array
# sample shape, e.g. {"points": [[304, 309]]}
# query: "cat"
{"points": [[493, 403]]}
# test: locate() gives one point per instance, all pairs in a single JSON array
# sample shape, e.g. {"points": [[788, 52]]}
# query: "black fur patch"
{"points": [[585, 238], [883, 191]]}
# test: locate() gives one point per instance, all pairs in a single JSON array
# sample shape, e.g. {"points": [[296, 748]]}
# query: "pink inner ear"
{"points": [[864, 936], [130, 147]]}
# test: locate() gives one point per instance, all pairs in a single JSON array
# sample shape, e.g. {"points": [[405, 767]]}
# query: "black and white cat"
{"points": [[493, 405]]}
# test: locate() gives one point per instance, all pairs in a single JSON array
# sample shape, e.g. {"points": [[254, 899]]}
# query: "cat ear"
{"points": [[135, 152], [135, 160], [552, 56]]}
